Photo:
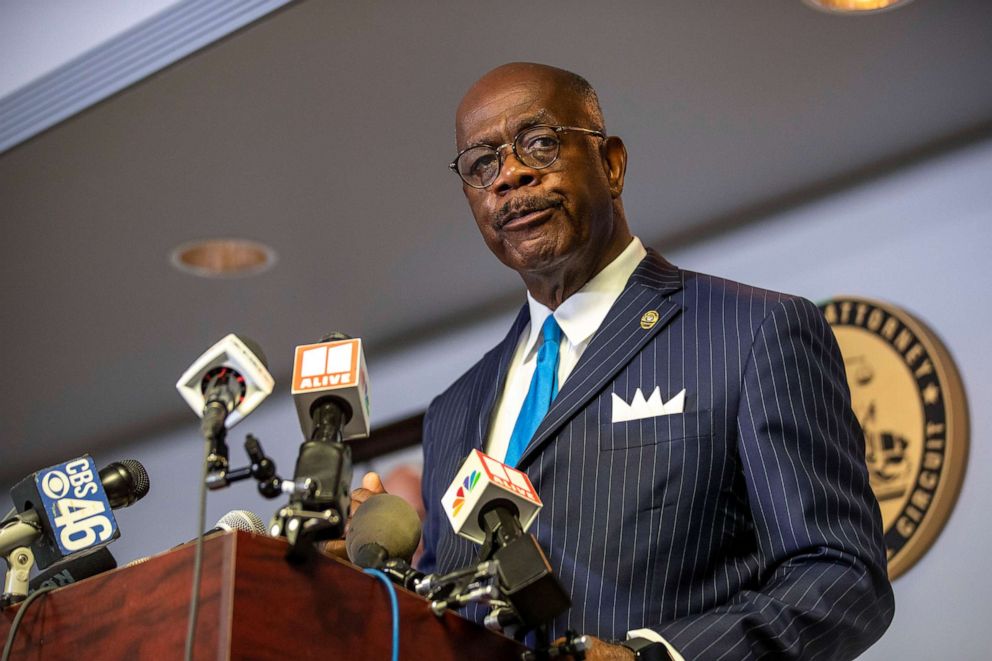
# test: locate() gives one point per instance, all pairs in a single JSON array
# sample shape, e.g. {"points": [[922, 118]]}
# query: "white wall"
{"points": [[920, 238]]}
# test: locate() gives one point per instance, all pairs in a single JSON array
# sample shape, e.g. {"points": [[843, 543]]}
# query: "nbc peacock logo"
{"points": [[466, 488]]}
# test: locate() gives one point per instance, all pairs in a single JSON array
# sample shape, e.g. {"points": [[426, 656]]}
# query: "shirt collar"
{"points": [[582, 313]]}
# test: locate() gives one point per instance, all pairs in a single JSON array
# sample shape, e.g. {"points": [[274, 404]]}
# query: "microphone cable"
{"points": [[194, 604], [395, 608], [20, 616]]}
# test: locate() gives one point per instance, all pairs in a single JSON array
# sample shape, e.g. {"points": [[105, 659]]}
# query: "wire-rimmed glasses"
{"points": [[536, 147]]}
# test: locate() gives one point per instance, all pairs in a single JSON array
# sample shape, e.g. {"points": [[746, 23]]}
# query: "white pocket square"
{"points": [[641, 408]]}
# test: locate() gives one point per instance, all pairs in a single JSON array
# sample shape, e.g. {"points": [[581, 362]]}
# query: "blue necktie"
{"points": [[543, 390]]}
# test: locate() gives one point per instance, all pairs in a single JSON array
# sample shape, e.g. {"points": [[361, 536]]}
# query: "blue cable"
{"points": [[396, 609]]}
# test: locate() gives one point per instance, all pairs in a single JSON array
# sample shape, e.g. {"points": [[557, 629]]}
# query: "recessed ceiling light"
{"points": [[223, 258], [855, 6]]}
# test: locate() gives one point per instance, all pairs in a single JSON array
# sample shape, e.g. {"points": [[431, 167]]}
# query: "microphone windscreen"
{"points": [[242, 520], [125, 482], [388, 521], [140, 476]]}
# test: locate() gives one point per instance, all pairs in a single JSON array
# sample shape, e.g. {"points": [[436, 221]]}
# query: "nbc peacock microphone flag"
{"points": [[480, 481]]}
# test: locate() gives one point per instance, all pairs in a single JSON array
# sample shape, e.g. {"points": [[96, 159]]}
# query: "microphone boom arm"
{"points": [[262, 468]]}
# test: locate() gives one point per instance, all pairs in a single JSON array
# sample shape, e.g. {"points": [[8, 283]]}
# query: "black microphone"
{"points": [[525, 575], [64, 511], [492, 504], [330, 389], [71, 506], [126, 482], [74, 569], [384, 534]]}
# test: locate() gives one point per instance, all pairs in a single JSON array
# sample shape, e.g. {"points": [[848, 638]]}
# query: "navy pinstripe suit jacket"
{"points": [[742, 528]]}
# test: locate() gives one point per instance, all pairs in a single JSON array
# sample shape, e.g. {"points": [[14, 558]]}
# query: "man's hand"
{"points": [[371, 485], [600, 650]]}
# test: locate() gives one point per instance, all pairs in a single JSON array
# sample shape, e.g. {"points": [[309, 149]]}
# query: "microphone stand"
{"points": [[320, 496]]}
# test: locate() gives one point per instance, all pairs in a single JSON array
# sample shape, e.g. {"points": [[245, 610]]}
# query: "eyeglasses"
{"points": [[536, 147]]}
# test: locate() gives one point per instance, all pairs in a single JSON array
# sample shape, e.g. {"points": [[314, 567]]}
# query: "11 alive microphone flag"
{"points": [[332, 369], [480, 481]]}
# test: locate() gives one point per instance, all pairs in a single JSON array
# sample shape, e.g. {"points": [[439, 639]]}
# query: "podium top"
{"points": [[254, 605]]}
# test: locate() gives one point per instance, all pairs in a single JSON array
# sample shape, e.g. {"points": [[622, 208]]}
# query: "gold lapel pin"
{"points": [[649, 319]]}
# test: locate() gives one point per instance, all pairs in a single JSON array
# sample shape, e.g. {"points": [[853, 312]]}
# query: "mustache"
{"points": [[522, 206]]}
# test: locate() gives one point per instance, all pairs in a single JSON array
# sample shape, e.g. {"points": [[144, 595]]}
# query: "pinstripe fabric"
{"points": [[742, 528]]}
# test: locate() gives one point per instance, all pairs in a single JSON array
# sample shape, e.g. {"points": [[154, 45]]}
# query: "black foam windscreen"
{"points": [[386, 521]]}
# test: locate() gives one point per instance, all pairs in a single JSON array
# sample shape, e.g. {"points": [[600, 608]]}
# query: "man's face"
{"points": [[538, 221]]}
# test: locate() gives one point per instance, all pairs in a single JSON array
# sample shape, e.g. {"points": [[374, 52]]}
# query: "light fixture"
{"points": [[223, 258], [855, 6]]}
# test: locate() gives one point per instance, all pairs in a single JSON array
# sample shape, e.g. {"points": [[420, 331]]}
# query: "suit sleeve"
{"points": [[428, 560], [824, 592]]}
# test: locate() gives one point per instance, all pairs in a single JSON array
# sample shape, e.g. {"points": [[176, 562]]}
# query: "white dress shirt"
{"points": [[579, 317]]}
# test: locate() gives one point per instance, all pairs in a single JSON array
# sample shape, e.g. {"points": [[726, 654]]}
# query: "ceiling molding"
{"points": [[148, 47]]}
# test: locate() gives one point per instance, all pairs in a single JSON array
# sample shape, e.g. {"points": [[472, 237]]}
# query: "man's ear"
{"points": [[615, 163]]}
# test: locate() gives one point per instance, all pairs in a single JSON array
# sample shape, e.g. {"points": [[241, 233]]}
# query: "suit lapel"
{"points": [[490, 384], [617, 341]]}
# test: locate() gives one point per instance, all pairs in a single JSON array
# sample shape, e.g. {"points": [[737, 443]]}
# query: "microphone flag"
{"points": [[481, 480], [334, 369]]}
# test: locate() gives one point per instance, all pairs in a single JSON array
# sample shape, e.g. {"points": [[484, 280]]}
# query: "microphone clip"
{"points": [[262, 468], [15, 585], [302, 528], [18, 532], [21, 530]]}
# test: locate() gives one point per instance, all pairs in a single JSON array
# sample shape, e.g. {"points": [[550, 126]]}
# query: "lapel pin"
{"points": [[649, 319]]}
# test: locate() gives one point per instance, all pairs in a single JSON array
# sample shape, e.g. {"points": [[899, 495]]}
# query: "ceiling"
{"points": [[324, 131]]}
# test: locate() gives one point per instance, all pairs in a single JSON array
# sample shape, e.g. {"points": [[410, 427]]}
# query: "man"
{"points": [[703, 475]]}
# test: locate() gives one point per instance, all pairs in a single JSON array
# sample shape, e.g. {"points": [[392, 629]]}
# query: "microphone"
{"points": [[244, 520], [74, 569], [126, 482], [385, 527], [481, 480], [384, 534], [330, 389], [226, 383], [64, 510], [525, 575], [493, 504]]}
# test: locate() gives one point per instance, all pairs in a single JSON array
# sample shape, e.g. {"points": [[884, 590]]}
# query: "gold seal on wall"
{"points": [[908, 397]]}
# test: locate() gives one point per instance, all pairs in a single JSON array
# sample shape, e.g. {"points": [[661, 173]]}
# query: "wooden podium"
{"points": [[254, 605]]}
